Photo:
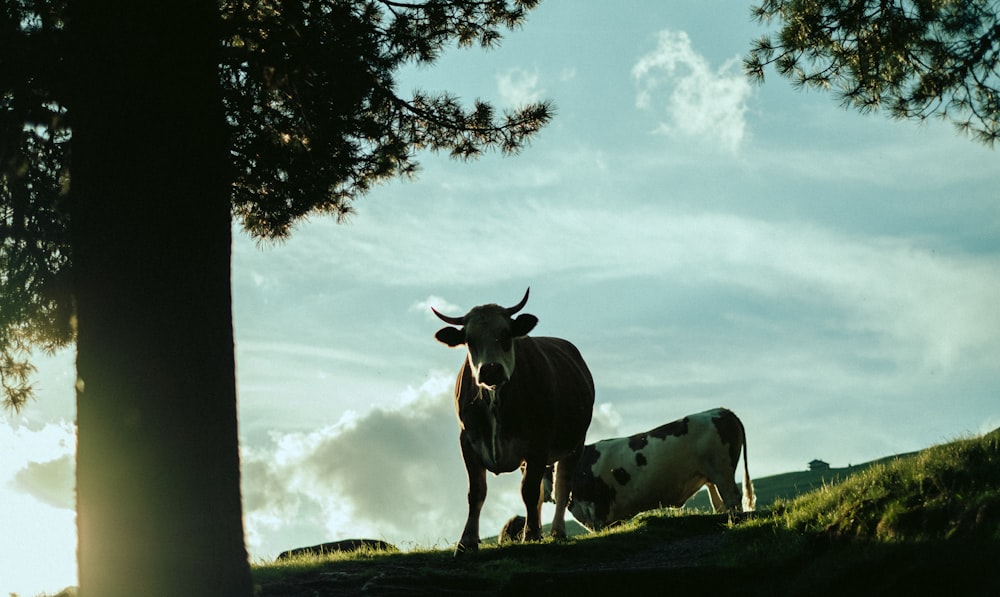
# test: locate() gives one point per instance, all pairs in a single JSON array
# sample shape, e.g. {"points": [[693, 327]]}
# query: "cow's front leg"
{"points": [[531, 493], [477, 496], [562, 481]]}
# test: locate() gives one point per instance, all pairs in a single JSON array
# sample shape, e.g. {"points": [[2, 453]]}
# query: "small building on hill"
{"points": [[819, 465]]}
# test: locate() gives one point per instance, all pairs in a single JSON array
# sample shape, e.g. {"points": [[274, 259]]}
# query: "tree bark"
{"points": [[158, 494]]}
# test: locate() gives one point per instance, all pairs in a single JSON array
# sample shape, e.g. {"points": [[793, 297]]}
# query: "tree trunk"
{"points": [[158, 495]]}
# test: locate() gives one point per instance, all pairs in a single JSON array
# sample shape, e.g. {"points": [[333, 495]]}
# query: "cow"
{"points": [[621, 477], [522, 402]]}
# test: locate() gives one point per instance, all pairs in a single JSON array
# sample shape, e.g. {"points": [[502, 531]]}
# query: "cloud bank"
{"points": [[390, 473]]}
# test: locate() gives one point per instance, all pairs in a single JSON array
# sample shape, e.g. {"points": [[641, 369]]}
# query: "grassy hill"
{"points": [[790, 485], [767, 489], [925, 524]]}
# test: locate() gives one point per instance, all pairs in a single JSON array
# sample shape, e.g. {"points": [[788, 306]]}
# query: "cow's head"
{"points": [[488, 332]]}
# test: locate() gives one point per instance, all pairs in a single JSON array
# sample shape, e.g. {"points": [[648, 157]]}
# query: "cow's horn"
{"points": [[519, 306], [449, 319]]}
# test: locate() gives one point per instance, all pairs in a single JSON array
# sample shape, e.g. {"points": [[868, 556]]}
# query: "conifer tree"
{"points": [[914, 58], [130, 135], [313, 116]]}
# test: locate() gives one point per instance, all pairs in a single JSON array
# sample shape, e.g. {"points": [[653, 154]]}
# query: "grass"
{"points": [[930, 521], [922, 523], [947, 492]]}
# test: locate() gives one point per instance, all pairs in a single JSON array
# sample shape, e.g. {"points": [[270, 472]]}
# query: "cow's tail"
{"points": [[749, 499]]}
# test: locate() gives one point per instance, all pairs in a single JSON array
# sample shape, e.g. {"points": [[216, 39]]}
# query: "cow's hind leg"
{"points": [[726, 497], [718, 505], [562, 484]]}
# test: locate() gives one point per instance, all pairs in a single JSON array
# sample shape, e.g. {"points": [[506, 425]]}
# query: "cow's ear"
{"points": [[523, 324], [451, 336]]}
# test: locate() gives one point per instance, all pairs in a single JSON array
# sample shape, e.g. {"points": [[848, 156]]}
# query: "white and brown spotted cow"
{"points": [[621, 477], [523, 402]]}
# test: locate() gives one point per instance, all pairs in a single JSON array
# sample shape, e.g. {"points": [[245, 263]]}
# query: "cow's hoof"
{"points": [[559, 535]]}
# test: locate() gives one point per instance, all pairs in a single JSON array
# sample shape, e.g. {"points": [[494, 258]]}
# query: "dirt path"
{"points": [[357, 578]]}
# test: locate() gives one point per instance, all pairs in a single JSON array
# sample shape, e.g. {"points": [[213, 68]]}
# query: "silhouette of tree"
{"points": [[35, 295], [130, 135], [313, 118], [917, 58], [157, 485]]}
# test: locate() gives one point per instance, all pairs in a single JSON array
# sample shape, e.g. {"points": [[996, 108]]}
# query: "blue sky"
{"points": [[832, 277]]}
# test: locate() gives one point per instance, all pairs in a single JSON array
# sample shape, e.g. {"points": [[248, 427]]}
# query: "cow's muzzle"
{"points": [[492, 375]]}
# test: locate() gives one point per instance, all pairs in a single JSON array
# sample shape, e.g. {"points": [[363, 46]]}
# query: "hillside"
{"points": [[925, 524], [768, 490], [790, 485]]}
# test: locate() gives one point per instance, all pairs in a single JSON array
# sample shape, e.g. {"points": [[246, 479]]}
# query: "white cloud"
{"points": [[444, 307], [436, 384], [35, 461], [696, 101], [518, 86], [51, 482], [604, 423]]}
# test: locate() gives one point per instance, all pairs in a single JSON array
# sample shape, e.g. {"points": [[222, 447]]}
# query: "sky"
{"points": [[830, 276]]}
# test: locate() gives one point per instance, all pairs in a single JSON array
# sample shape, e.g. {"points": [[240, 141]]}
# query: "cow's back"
{"points": [[555, 370]]}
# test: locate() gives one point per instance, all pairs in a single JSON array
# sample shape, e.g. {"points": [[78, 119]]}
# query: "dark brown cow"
{"points": [[533, 414]]}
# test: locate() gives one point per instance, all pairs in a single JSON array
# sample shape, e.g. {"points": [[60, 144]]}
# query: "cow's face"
{"points": [[489, 335]]}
